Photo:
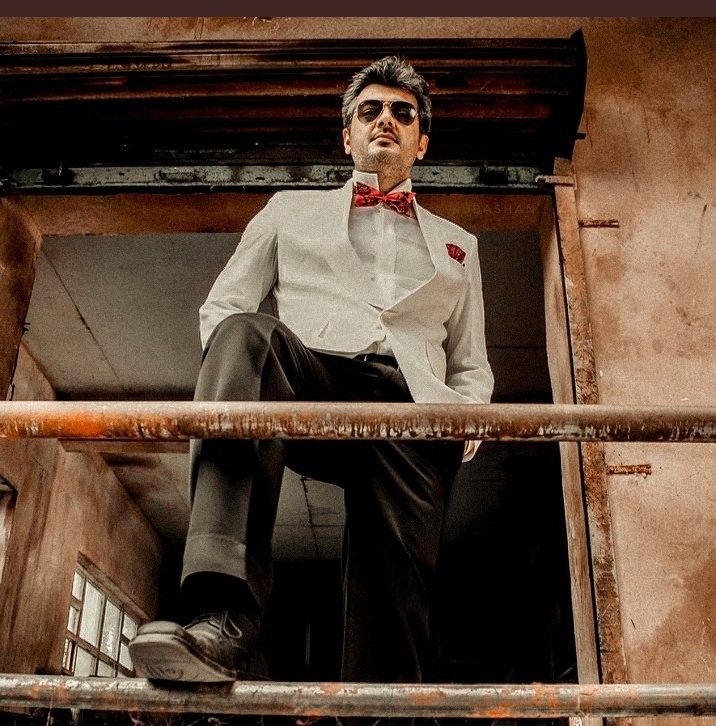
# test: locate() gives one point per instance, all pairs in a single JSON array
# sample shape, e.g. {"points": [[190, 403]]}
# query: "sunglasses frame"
{"points": [[390, 105]]}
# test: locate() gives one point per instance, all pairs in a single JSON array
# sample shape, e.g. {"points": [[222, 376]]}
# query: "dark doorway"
{"points": [[503, 603], [504, 606]]}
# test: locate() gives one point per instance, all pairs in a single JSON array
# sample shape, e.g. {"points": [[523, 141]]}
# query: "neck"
{"points": [[388, 180]]}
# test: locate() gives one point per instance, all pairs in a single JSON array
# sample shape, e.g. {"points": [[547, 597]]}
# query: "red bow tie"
{"points": [[400, 202]]}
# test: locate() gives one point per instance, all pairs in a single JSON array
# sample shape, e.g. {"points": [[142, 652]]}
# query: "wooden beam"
{"points": [[119, 214], [560, 370], [594, 470], [221, 212], [20, 242]]}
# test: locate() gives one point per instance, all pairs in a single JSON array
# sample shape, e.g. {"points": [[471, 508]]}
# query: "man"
{"points": [[378, 300]]}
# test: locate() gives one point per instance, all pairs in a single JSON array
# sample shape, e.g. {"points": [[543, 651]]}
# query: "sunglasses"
{"points": [[403, 112]]}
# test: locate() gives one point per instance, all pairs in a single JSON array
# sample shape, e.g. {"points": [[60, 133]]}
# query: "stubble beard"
{"points": [[384, 162]]}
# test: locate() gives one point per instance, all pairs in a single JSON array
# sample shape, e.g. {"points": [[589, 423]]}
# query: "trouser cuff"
{"points": [[214, 553]]}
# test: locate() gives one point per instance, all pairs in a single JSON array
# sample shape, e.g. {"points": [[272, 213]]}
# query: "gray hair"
{"points": [[397, 73]]}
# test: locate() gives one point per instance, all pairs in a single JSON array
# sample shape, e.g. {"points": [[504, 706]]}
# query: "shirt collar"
{"points": [[371, 179]]}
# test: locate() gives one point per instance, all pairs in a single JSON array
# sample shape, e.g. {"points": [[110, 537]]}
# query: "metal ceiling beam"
{"points": [[478, 178]]}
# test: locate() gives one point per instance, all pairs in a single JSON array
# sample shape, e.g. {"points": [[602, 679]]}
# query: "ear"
{"points": [[422, 145], [347, 141]]}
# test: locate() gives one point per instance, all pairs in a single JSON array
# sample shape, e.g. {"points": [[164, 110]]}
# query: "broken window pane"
{"points": [[110, 630], [91, 614]]}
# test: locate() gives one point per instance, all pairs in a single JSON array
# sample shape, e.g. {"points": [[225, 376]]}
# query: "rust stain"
{"points": [[428, 698], [497, 712], [332, 689]]}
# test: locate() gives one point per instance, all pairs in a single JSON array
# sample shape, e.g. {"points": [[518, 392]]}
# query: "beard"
{"points": [[380, 159]]}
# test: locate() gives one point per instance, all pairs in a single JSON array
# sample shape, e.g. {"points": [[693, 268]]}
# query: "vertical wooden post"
{"points": [[19, 246], [20, 241], [612, 660], [560, 369]]}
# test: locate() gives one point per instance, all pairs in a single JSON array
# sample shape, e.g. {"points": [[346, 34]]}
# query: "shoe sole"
{"points": [[165, 657]]}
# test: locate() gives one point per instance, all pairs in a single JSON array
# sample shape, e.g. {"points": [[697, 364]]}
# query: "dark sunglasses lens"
{"points": [[369, 111], [403, 112]]}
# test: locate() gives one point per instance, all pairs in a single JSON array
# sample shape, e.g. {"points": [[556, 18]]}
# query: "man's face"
{"points": [[384, 144]]}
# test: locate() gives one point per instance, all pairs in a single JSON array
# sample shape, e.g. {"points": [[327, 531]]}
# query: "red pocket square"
{"points": [[457, 253]]}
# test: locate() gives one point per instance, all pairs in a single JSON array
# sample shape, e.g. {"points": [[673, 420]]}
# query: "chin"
{"points": [[383, 153]]}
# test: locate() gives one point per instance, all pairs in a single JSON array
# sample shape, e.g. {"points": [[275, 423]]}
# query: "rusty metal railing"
{"points": [[171, 421], [165, 421], [361, 699]]}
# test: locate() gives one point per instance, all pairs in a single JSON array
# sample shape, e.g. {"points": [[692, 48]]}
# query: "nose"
{"points": [[386, 116]]}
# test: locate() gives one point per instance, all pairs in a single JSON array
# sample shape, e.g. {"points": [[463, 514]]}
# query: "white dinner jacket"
{"points": [[297, 248]]}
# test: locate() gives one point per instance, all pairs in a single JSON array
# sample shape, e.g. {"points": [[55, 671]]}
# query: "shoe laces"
{"points": [[222, 621]]}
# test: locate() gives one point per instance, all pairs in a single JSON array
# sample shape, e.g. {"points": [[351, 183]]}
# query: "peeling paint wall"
{"points": [[647, 161], [67, 504]]}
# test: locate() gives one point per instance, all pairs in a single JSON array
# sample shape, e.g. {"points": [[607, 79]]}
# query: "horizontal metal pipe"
{"points": [[360, 699], [180, 420]]}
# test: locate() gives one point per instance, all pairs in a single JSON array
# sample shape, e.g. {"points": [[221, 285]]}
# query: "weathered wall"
{"points": [[648, 162], [20, 241], [67, 503]]}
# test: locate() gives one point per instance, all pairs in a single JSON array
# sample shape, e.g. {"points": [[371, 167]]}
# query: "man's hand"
{"points": [[470, 450]]}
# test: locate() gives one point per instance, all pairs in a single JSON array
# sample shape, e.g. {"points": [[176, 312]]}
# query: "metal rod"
{"points": [[170, 421], [360, 699]]}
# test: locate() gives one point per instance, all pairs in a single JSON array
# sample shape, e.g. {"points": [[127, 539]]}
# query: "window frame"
{"points": [[73, 641]]}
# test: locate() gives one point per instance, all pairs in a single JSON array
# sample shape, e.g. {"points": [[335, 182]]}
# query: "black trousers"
{"points": [[395, 492]]}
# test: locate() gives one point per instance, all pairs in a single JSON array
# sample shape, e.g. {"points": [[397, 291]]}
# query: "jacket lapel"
{"points": [[434, 241], [342, 257]]}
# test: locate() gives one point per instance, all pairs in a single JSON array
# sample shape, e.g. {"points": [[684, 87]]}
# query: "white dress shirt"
{"points": [[392, 249]]}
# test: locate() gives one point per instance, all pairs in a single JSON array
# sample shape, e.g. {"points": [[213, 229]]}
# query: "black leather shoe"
{"points": [[215, 647]]}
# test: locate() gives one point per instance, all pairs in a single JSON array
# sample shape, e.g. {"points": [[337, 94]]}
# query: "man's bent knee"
{"points": [[240, 325]]}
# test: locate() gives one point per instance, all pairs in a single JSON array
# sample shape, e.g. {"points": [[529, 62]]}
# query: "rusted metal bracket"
{"points": [[181, 420], [627, 469], [361, 699], [599, 223]]}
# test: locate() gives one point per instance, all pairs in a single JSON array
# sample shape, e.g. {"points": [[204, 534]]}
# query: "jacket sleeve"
{"points": [[468, 371], [249, 274]]}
